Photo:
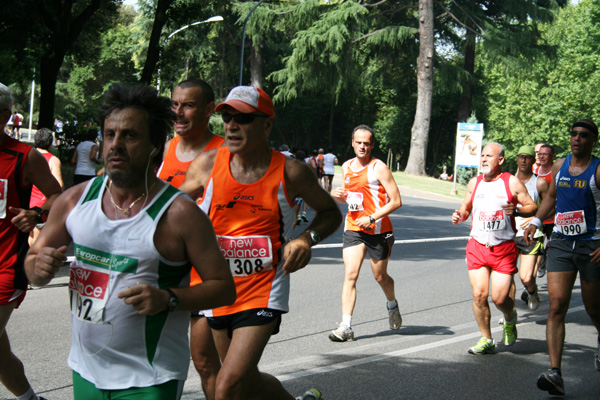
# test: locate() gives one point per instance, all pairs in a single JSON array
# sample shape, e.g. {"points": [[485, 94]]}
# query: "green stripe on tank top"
{"points": [[155, 208], [94, 191], [169, 276]]}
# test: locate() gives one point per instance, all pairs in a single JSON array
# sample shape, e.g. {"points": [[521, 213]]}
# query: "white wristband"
{"points": [[536, 222]]}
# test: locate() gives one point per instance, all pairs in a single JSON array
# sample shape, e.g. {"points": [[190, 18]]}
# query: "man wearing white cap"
{"points": [[248, 192]]}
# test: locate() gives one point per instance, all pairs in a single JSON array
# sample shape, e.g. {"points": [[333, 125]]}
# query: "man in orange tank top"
{"points": [[194, 103], [368, 227], [248, 192]]}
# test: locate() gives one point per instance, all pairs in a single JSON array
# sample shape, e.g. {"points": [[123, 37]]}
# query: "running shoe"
{"points": [[298, 221], [342, 334], [395, 318], [311, 394], [552, 382], [304, 217], [533, 299], [597, 357], [509, 331], [484, 346], [525, 295]]}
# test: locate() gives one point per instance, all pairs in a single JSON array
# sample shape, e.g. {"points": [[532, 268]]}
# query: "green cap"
{"points": [[526, 150]]}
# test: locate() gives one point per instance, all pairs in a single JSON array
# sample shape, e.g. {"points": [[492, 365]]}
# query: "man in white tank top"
{"points": [[491, 252], [136, 239], [537, 187]]}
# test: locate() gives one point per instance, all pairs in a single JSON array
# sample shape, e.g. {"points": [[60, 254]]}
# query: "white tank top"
{"points": [[531, 186], [85, 166], [490, 225], [113, 346]]}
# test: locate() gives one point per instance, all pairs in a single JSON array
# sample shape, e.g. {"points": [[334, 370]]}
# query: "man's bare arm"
{"points": [[465, 208], [300, 181]]}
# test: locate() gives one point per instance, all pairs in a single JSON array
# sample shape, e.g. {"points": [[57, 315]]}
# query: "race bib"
{"points": [[247, 255], [491, 220], [571, 223], [355, 201], [88, 290], [3, 197]]}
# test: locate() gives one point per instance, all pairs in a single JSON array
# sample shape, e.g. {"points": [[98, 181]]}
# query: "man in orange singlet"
{"points": [[248, 192], [194, 103], [368, 227]]}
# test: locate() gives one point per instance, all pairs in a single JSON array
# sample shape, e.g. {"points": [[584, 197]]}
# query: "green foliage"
{"points": [[540, 104]]}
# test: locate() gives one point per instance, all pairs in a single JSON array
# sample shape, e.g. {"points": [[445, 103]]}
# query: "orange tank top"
{"points": [[251, 222], [366, 195], [172, 170]]}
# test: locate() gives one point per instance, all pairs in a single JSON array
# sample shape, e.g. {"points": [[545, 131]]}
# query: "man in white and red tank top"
{"points": [[492, 200]]}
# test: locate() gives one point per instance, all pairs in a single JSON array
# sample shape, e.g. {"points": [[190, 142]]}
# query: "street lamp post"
{"points": [[244, 40], [211, 19]]}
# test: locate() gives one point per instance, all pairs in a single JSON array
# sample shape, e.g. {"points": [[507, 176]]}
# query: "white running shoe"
{"points": [[342, 334], [533, 300], [395, 318]]}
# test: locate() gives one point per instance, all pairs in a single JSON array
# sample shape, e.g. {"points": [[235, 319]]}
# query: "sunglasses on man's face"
{"points": [[583, 135], [241, 119]]}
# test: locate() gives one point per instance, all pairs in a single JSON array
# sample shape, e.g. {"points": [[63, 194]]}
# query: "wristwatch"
{"points": [[173, 303], [42, 215], [371, 219], [314, 237]]}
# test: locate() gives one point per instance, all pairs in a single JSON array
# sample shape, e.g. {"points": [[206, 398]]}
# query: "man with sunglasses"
{"points": [[193, 102], [575, 244], [537, 188], [248, 192]]}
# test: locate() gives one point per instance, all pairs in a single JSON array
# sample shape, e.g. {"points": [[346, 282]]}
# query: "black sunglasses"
{"points": [[241, 119], [583, 135]]}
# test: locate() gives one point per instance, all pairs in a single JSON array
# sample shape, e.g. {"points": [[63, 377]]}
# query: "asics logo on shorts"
{"points": [[263, 313], [389, 235]]}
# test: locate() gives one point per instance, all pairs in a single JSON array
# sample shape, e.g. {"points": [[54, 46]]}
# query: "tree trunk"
{"points": [[420, 129], [153, 54], [466, 97], [331, 121], [48, 76], [256, 66], [64, 35]]}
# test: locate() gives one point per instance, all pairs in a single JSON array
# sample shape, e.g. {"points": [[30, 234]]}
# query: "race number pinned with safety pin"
{"points": [[247, 255], [355, 201], [491, 220], [88, 290], [571, 223]]}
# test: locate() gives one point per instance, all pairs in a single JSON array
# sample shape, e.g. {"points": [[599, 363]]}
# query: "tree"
{"points": [[154, 45], [63, 20], [420, 130]]}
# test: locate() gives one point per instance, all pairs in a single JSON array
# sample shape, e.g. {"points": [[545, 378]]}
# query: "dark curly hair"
{"points": [[143, 97]]}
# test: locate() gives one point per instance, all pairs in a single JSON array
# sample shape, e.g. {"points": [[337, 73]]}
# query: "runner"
{"points": [[135, 239], [20, 167], [248, 192], [372, 195], [537, 187], [575, 244], [193, 102], [491, 252]]}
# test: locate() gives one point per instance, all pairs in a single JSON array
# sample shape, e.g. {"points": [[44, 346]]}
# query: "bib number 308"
{"points": [[247, 255]]}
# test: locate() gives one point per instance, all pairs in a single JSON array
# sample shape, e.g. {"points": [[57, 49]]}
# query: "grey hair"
{"points": [[6, 98], [499, 146]]}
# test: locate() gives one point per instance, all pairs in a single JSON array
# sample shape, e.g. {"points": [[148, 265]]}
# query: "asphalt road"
{"points": [[426, 359]]}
